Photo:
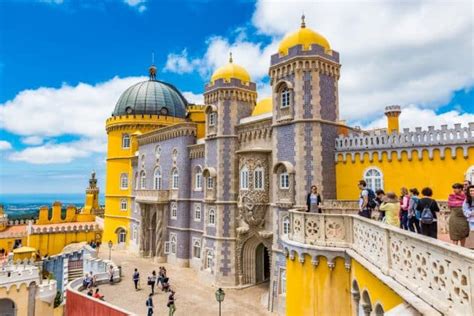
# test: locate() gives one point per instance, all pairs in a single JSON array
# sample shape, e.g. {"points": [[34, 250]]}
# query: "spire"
{"points": [[152, 69], [230, 57], [303, 24]]}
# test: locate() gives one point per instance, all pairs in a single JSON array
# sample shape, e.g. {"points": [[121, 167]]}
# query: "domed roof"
{"points": [[151, 97], [229, 71], [304, 36], [263, 106]]}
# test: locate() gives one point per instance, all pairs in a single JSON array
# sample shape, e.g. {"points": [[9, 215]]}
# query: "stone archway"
{"points": [[7, 307], [262, 264], [255, 261]]}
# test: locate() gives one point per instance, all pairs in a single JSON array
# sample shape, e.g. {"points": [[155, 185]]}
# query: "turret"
{"points": [[393, 112]]}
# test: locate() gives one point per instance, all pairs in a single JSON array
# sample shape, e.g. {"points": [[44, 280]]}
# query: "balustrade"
{"points": [[151, 196]]}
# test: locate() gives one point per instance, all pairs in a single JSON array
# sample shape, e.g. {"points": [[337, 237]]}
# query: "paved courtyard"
{"points": [[192, 298]]}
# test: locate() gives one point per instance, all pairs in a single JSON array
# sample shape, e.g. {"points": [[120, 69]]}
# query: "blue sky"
{"points": [[63, 65]]}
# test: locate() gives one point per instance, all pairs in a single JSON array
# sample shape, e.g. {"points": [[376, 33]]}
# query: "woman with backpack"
{"points": [[458, 224], [413, 214], [428, 209], [404, 204]]}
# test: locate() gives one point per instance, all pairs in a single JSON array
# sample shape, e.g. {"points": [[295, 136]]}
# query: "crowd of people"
{"points": [[418, 214]]}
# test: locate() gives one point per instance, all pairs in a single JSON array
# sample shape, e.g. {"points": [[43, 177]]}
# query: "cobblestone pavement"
{"points": [[192, 297]]}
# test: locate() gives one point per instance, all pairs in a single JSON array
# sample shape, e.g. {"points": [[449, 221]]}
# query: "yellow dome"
{"points": [[304, 36], [229, 71], [263, 106]]}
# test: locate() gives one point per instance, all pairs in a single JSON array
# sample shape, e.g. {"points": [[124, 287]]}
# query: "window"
{"points": [[282, 281], [286, 225], [197, 213], [210, 183], [136, 181], [244, 178], [121, 235], [123, 204], [167, 248], [285, 98], [198, 179], [212, 217], [125, 141], [175, 179], [157, 179], [258, 179], [284, 180], [374, 179], [173, 243], [174, 210], [196, 248], [124, 181], [212, 118], [209, 258], [142, 180], [470, 174], [158, 152]]}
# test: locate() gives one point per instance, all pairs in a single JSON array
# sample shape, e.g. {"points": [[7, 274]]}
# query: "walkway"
{"points": [[192, 298]]}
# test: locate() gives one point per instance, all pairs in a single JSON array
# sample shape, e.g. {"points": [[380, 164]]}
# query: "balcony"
{"points": [[433, 276], [151, 196]]}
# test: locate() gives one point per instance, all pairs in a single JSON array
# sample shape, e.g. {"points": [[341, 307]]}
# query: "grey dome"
{"points": [[151, 97]]}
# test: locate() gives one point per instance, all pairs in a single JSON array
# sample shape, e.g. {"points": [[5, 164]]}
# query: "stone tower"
{"points": [[392, 112], [229, 97]]}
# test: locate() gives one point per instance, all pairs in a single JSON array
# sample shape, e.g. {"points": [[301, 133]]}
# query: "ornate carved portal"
{"points": [[152, 230]]}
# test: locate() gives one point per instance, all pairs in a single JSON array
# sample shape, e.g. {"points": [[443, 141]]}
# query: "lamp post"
{"points": [[220, 298], [110, 249]]}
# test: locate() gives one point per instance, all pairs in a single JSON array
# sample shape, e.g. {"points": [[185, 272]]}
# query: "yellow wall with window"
{"points": [[437, 173]]}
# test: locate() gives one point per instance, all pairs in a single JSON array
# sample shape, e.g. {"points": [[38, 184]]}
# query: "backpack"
{"points": [[427, 215], [412, 210], [371, 202]]}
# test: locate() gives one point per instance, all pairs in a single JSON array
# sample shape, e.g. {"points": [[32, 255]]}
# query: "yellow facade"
{"points": [[316, 290], [436, 173], [53, 242], [196, 114], [20, 296], [8, 243]]}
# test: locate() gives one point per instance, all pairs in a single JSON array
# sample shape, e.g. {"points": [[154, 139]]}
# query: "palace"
{"points": [[219, 188]]}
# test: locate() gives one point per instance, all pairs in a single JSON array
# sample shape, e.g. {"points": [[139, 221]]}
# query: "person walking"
{"points": [[313, 200], [152, 281], [428, 209], [111, 274], [136, 278], [170, 304], [391, 206], [380, 196], [149, 304], [404, 204], [366, 201], [457, 223], [413, 214], [468, 206]]}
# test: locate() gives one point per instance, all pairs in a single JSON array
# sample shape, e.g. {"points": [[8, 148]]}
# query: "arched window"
{"points": [[142, 180], [258, 178], [123, 204], [379, 310], [198, 179], [212, 217], [158, 152], [125, 141], [174, 179], [282, 281], [286, 225], [196, 248], [174, 210], [284, 180], [157, 179], [137, 181], [209, 259], [244, 178], [124, 181], [121, 235], [212, 118], [285, 97], [197, 213], [173, 243], [470, 174], [374, 179], [210, 183]]}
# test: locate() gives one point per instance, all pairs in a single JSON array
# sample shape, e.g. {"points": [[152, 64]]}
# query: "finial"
{"points": [[152, 69], [303, 24], [230, 57], [93, 174]]}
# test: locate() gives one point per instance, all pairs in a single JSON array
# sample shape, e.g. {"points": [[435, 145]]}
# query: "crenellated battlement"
{"points": [[408, 141]]}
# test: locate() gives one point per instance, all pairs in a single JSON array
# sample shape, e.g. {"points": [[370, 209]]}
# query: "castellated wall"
{"points": [[414, 158]]}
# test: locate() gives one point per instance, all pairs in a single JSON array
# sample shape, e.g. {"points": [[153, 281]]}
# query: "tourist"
{"points": [[366, 201], [466, 184], [149, 304], [170, 304], [404, 204], [98, 295], [313, 200], [380, 195], [428, 209], [87, 281], [161, 276], [90, 292], [458, 224], [152, 281], [468, 206], [391, 206], [93, 278], [165, 285], [413, 214], [111, 274], [136, 278]]}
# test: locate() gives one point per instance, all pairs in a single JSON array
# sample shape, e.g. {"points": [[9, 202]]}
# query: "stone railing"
{"points": [[47, 291], [152, 196], [18, 274], [435, 273]]}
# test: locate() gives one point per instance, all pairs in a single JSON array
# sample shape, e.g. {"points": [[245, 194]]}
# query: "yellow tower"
{"points": [[143, 107], [393, 112]]}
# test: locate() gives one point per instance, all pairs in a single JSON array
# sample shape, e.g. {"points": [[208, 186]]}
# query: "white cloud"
{"points": [[32, 140], [194, 98], [4, 145], [138, 4], [180, 64]]}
